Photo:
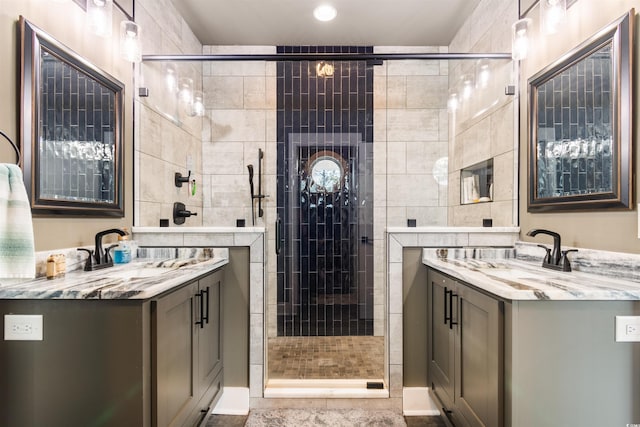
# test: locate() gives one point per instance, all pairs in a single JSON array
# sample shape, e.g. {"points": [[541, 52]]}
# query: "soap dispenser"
{"points": [[122, 252]]}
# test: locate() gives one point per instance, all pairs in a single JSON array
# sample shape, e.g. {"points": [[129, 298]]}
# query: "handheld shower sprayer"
{"points": [[258, 196], [253, 214]]}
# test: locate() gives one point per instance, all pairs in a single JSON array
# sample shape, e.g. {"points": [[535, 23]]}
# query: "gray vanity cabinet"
{"points": [[441, 339], [173, 357], [466, 347], [116, 362], [186, 352], [210, 340]]}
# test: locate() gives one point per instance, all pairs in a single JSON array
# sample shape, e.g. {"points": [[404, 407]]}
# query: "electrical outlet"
{"points": [[628, 328], [23, 327]]}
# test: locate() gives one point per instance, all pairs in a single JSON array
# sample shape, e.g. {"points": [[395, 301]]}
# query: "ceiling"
{"points": [[358, 23]]}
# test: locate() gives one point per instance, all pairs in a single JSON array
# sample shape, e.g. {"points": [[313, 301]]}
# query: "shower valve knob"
{"points": [[180, 213]]}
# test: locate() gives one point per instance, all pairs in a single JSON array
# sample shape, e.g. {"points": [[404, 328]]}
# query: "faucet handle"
{"points": [[88, 265], [547, 257], [566, 265], [107, 254]]}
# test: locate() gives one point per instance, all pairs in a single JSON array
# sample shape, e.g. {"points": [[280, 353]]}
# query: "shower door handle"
{"points": [[278, 235]]}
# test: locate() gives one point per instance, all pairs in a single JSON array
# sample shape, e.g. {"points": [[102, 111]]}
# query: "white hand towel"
{"points": [[17, 250]]}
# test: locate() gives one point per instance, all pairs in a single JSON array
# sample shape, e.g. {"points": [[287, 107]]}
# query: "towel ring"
{"points": [[15, 147]]}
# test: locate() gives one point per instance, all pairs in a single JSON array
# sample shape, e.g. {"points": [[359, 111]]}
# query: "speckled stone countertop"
{"points": [[499, 273], [140, 279]]}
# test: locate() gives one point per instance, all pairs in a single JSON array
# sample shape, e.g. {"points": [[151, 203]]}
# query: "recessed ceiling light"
{"points": [[325, 12]]}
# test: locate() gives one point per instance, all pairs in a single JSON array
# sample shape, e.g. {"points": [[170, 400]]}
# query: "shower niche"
{"points": [[476, 183]]}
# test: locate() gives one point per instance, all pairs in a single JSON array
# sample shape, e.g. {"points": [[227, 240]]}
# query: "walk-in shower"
{"points": [[325, 200], [353, 142], [325, 188]]}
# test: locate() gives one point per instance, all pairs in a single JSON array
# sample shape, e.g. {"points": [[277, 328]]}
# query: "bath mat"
{"points": [[318, 417]]}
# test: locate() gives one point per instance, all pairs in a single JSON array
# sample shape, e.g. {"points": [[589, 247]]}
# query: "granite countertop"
{"points": [[140, 279], [514, 279]]}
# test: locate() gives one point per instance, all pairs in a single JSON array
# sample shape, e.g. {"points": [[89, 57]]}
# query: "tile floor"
{"points": [[239, 421], [359, 357], [322, 358]]}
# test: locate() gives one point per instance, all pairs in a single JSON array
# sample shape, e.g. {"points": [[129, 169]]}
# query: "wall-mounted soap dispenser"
{"points": [[180, 213]]}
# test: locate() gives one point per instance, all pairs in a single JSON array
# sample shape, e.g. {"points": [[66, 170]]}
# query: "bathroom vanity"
{"points": [[136, 345], [513, 344]]}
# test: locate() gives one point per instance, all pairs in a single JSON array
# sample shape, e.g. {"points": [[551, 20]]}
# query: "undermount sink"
{"points": [[137, 272], [505, 273]]}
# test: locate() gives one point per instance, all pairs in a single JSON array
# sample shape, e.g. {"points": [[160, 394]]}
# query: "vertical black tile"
{"points": [[331, 256]]}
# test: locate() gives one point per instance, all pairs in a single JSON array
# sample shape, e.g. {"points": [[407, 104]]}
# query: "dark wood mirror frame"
{"points": [[71, 130], [578, 161]]}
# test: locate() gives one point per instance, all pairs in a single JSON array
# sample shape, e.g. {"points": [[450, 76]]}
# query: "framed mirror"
{"points": [[71, 130], [580, 130]]}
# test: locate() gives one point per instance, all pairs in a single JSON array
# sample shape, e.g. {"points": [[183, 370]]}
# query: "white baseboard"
{"points": [[234, 401], [417, 402]]}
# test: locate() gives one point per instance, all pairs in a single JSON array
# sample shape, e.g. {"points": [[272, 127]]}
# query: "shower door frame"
{"points": [[364, 160]]}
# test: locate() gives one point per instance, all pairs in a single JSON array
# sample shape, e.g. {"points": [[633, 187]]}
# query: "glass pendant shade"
{"points": [[197, 106], [185, 91], [552, 15], [483, 74], [130, 41], [467, 87], [452, 103], [520, 39], [171, 77], [99, 15]]}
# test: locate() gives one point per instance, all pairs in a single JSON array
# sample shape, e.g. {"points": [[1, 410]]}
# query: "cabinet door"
{"points": [[210, 335], [174, 359], [479, 358], [441, 339]]}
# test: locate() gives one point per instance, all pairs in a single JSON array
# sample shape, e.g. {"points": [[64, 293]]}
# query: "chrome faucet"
{"points": [[555, 259]]}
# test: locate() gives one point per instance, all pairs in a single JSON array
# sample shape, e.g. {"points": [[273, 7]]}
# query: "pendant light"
{"points": [[99, 15], [197, 106], [452, 103], [483, 74], [171, 77], [552, 15], [185, 91], [467, 87], [520, 39], [130, 41]]}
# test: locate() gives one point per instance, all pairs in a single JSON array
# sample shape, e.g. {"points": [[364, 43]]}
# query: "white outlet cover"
{"points": [[23, 327], [628, 328]]}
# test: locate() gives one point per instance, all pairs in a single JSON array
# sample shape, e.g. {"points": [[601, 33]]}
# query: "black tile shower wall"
{"points": [[325, 271], [340, 103], [78, 132]]}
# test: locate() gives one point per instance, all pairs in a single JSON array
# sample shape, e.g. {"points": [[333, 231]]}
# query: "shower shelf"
{"points": [[476, 183]]}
